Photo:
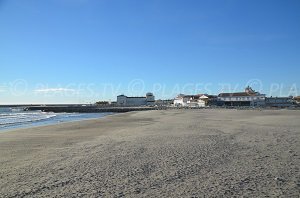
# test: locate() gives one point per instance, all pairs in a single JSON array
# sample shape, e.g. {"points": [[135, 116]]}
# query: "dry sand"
{"points": [[175, 153]]}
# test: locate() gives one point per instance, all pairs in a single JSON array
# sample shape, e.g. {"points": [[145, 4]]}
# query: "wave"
{"points": [[5, 109], [10, 119], [23, 114], [23, 118]]}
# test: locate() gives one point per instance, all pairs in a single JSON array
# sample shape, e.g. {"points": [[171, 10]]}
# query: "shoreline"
{"points": [[42, 123], [177, 153]]}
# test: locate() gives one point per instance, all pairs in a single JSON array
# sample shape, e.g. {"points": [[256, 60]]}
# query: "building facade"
{"points": [[190, 100], [279, 101], [164, 103], [147, 100], [247, 98], [297, 100]]}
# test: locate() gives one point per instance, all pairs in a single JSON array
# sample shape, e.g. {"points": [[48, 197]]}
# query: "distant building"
{"points": [[297, 100], [212, 100], [182, 100], [164, 103], [279, 101], [103, 103], [147, 100], [247, 98]]}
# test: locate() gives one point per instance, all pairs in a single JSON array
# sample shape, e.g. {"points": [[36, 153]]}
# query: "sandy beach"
{"points": [[173, 153]]}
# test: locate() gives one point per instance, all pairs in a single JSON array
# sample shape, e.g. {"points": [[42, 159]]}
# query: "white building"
{"points": [[147, 100], [247, 98], [279, 101], [297, 100], [190, 100]]}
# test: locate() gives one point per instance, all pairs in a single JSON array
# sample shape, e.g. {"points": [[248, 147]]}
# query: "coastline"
{"points": [[156, 153], [9, 130], [49, 122]]}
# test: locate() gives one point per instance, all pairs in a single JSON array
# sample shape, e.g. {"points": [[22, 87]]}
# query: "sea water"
{"points": [[12, 118]]}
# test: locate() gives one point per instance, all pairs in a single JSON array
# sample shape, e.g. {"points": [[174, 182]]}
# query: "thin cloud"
{"points": [[54, 90]]}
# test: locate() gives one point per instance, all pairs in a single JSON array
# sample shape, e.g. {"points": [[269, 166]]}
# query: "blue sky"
{"points": [[70, 51]]}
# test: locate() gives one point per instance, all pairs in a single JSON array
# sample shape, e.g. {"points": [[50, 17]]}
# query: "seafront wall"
{"points": [[87, 109]]}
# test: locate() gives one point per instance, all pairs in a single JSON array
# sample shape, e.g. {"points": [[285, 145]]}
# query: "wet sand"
{"points": [[174, 153]]}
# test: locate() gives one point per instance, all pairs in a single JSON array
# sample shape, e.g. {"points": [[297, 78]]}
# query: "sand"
{"points": [[173, 153]]}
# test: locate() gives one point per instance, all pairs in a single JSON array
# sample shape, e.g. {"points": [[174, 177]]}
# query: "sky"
{"points": [[82, 51]]}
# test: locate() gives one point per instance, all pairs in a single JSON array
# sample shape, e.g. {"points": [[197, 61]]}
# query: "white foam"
{"points": [[19, 118]]}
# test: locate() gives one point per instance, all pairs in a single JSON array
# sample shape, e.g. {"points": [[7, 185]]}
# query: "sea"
{"points": [[16, 117]]}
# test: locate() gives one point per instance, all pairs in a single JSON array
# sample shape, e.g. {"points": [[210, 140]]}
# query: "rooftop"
{"points": [[236, 94], [248, 92], [131, 97]]}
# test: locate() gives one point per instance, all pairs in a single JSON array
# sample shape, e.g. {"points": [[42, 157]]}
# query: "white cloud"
{"points": [[55, 90]]}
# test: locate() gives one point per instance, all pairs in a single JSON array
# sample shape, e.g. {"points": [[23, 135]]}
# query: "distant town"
{"points": [[248, 98]]}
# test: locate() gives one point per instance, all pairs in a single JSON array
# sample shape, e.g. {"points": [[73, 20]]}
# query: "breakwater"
{"points": [[86, 109]]}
